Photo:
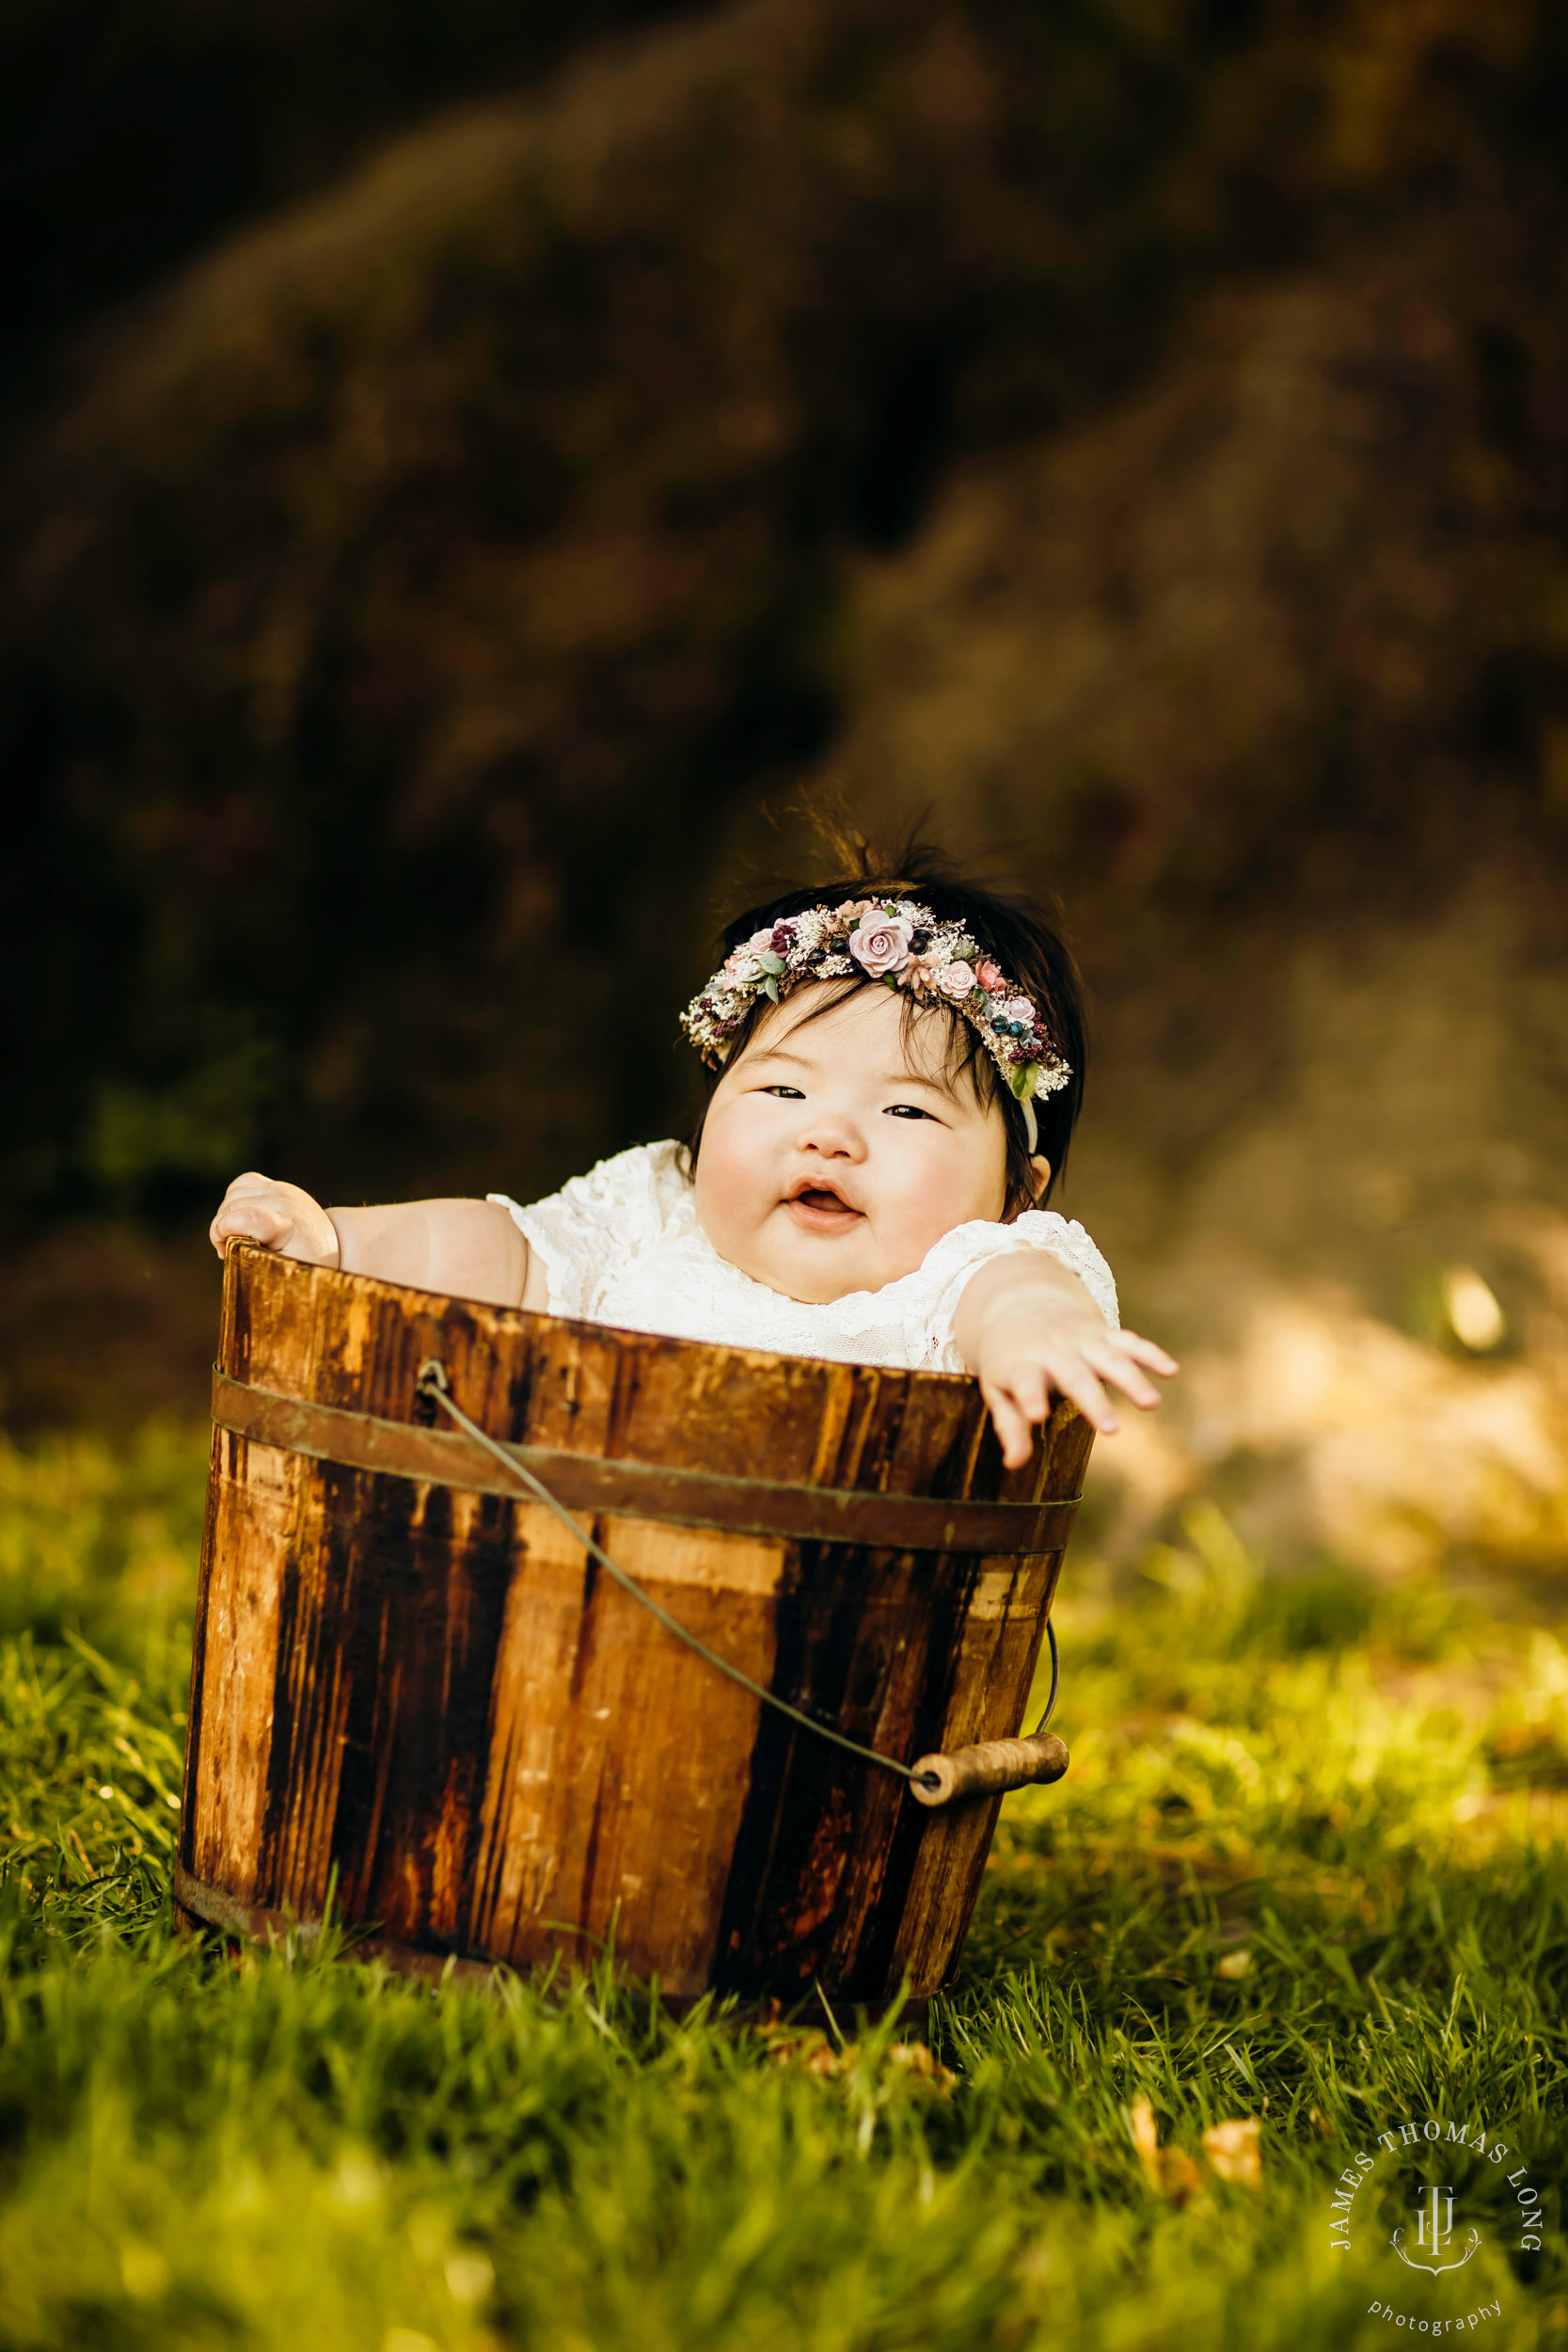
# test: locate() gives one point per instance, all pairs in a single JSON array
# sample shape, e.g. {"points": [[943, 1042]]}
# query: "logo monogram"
{"points": [[1434, 2233]]}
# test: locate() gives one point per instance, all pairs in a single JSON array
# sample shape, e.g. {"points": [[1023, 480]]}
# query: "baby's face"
{"points": [[834, 1155]]}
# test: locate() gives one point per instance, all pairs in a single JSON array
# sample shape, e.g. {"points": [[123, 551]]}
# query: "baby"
{"points": [[897, 1071]]}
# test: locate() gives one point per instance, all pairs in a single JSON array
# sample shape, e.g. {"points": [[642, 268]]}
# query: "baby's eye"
{"points": [[906, 1110], [785, 1094]]}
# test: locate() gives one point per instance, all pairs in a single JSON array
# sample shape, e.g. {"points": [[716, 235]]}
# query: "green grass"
{"points": [[1304, 1869]]}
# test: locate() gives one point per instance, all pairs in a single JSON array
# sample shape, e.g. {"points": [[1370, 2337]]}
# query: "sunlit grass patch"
{"points": [[1303, 1881], [101, 1537], [98, 1551]]}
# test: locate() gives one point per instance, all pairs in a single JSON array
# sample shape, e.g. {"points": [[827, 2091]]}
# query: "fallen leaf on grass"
{"points": [[1170, 2172], [808, 2048], [816, 2054], [917, 2060], [1233, 2149], [1146, 2139]]}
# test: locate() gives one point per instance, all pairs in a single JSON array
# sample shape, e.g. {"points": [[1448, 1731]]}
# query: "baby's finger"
{"points": [[1029, 1387], [251, 1220], [1150, 1352], [1010, 1423], [221, 1230], [250, 1181], [1074, 1376], [1114, 1364]]}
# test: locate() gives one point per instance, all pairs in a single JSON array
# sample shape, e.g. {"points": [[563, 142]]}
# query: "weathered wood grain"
{"points": [[433, 1701]]}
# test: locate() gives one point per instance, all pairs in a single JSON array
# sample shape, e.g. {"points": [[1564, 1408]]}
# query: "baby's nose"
{"points": [[831, 1130], [832, 1134]]}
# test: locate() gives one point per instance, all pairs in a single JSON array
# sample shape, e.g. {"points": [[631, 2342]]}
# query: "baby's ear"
{"points": [[1039, 1169]]}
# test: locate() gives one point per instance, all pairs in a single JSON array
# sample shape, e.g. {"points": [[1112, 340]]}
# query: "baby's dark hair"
{"points": [[1017, 933]]}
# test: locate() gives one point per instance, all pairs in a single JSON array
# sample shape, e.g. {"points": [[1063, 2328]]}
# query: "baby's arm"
{"points": [[469, 1248], [1026, 1325]]}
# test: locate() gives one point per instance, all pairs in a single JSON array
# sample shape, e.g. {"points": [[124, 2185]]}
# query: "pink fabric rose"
{"points": [[955, 979], [760, 942], [1020, 1008], [989, 977], [880, 944]]}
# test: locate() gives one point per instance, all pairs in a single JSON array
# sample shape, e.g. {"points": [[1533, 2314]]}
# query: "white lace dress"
{"points": [[622, 1245]]}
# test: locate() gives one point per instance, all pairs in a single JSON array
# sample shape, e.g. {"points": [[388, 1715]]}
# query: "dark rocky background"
{"points": [[473, 486]]}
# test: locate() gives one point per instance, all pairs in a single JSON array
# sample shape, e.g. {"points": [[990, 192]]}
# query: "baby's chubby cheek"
{"points": [[913, 1208], [733, 1191]]}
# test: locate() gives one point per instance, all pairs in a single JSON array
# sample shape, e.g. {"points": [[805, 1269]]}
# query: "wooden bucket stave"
{"points": [[429, 1703]]}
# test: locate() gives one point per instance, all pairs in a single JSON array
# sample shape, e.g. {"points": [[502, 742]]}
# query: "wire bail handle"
{"points": [[994, 1766]]}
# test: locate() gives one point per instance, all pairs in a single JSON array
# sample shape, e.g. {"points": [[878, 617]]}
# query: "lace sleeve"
{"points": [[955, 1258], [598, 1223]]}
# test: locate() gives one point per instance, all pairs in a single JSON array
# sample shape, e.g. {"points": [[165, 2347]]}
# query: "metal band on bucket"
{"points": [[645, 1491]]}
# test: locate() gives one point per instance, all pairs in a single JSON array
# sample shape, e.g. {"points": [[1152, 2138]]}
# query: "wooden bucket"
{"points": [[424, 1704]]}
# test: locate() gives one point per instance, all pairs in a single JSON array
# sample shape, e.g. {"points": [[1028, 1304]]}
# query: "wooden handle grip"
{"points": [[981, 1771]]}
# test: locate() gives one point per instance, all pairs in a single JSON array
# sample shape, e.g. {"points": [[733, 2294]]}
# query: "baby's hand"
{"points": [[1030, 1330], [280, 1217]]}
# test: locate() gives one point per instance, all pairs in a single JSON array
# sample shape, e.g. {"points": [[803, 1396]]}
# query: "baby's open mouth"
{"points": [[821, 1209]]}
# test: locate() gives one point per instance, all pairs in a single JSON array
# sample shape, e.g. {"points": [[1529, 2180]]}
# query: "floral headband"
{"points": [[897, 941]]}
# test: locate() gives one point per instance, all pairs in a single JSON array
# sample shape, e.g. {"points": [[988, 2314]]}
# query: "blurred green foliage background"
{"points": [[473, 481]]}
